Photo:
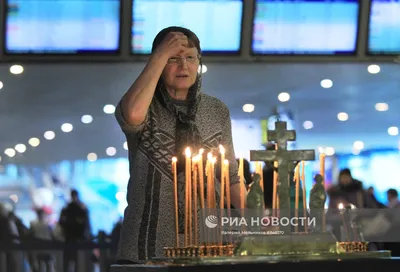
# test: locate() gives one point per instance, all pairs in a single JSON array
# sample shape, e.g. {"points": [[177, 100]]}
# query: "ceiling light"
{"points": [[374, 69], [86, 119], [10, 152], [308, 125], [284, 97], [111, 151], [342, 116], [21, 148], [109, 109], [34, 142], [126, 146], [49, 135], [329, 151], [1, 85], [16, 69], [326, 83], [92, 157], [67, 127], [202, 69], [356, 151], [359, 145], [381, 106], [248, 108], [393, 131]]}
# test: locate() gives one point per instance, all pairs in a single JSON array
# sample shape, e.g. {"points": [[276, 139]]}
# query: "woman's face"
{"points": [[180, 73]]}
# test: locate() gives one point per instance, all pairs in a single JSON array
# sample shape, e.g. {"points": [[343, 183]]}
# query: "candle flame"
{"points": [[187, 152], [209, 156], [213, 160], [174, 159], [340, 206], [221, 149], [201, 151], [226, 162]]}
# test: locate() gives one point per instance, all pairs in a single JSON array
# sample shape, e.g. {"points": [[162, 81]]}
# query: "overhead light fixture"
{"points": [[111, 151], [1, 85], [329, 151], [359, 145], [87, 119], [109, 109], [326, 83], [374, 69], [49, 135], [10, 152], [34, 142], [21, 148], [342, 116], [67, 127], [125, 146], [202, 69], [248, 108], [308, 125], [92, 157], [393, 131], [284, 97], [16, 69], [381, 106]]}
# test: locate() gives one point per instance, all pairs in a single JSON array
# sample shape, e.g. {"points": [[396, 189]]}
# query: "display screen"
{"points": [[384, 27], [217, 23], [296, 27], [62, 26]]}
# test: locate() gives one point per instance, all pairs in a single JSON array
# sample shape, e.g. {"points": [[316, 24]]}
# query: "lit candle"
{"points": [[209, 176], [222, 197], [303, 182], [201, 178], [174, 160], [322, 165], [195, 161], [188, 174], [222, 152], [242, 185], [228, 192], [297, 184]]}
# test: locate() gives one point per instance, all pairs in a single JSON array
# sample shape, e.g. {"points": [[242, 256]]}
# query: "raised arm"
{"points": [[136, 101]]}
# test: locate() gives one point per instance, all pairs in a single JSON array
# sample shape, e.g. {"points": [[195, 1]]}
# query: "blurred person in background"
{"points": [[371, 193], [161, 114], [393, 198]]}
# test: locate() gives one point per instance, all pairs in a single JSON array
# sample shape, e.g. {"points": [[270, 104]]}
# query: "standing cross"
{"points": [[285, 159]]}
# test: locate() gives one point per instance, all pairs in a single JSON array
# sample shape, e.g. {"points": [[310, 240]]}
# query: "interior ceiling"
{"points": [[48, 95]]}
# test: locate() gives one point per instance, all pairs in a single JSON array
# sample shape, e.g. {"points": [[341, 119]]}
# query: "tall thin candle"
{"points": [[174, 172]]}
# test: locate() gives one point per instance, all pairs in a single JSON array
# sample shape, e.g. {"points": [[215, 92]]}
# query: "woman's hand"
{"points": [[173, 44]]}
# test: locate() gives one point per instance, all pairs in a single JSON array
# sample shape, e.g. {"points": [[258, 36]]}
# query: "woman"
{"points": [[161, 114]]}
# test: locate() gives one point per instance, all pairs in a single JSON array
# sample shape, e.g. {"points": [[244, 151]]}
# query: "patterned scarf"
{"points": [[186, 132]]}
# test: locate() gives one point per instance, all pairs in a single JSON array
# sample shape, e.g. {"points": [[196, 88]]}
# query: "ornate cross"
{"points": [[285, 159]]}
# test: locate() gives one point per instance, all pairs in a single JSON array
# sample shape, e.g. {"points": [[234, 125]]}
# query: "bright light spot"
{"points": [[86, 119], [16, 69], [10, 152], [109, 109], [374, 69], [126, 146], [92, 157], [356, 151], [320, 149], [67, 127], [342, 116], [284, 97], [120, 196], [1, 85], [248, 108], [49, 135], [326, 83], [21, 148], [14, 198], [393, 131], [329, 151], [34, 142], [308, 125], [359, 145], [202, 69], [381, 106], [111, 151], [0, 158]]}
